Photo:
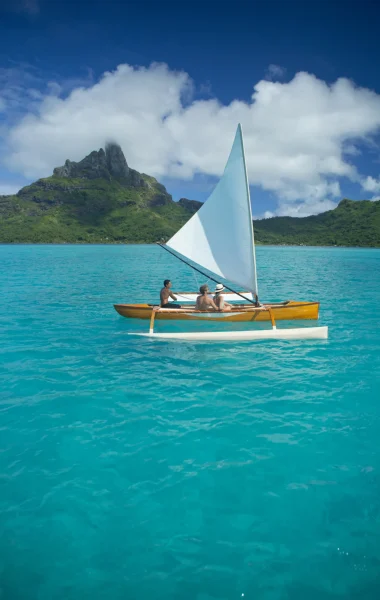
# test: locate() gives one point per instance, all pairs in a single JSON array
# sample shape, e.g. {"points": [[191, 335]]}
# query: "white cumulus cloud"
{"points": [[371, 184], [300, 136]]}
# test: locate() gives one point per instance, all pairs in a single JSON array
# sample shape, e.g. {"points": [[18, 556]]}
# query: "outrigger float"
{"points": [[220, 238]]}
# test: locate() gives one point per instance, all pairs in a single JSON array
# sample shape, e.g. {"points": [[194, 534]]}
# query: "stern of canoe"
{"points": [[293, 311]]}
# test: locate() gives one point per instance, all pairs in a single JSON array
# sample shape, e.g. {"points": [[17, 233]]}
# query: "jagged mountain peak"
{"points": [[116, 163], [100, 164]]}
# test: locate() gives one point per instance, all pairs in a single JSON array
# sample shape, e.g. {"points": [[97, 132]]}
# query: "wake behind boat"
{"points": [[220, 239]]}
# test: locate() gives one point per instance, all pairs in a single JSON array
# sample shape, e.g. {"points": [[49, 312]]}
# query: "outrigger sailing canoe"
{"points": [[219, 238]]}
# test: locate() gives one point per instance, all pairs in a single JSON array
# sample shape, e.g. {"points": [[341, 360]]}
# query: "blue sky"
{"points": [[311, 129]]}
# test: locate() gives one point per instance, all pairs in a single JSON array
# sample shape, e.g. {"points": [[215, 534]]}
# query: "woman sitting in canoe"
{"points": [[219, 299], [204, 302]]}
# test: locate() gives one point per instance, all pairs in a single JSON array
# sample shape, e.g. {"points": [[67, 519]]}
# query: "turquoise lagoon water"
{"points": [[139, 470]]}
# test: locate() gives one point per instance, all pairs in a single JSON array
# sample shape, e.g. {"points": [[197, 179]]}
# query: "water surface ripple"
{"points": [[130, 469]]}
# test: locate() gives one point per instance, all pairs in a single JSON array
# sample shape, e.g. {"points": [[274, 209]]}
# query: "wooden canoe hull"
{"points": [[284, 311]]}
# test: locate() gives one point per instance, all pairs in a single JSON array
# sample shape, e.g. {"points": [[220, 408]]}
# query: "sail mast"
{"points": [[255, 290]]}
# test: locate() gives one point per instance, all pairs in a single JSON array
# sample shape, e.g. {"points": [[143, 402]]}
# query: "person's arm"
{"points": [[214, 305], [221, 302], [172, 296]]}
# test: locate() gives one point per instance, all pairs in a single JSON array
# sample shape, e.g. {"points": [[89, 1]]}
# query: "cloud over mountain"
{"points": [[301, 136]]}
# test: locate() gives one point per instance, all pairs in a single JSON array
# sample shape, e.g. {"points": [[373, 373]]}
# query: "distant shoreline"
{"points": [[154, 244]]}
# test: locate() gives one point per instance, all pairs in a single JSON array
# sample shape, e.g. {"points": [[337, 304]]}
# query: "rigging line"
{"points": [[182, 295], [255, 302], [196, 279]]}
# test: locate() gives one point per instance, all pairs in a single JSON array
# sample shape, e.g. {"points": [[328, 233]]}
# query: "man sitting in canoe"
{"points": [[204, 302], [219, 299], [165, 294]]}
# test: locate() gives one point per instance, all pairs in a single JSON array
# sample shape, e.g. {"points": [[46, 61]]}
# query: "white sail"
{"points": [[219, 237]]}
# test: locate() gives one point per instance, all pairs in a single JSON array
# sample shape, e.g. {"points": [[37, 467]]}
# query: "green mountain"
{"points": [[351, 223], [101, 199]]}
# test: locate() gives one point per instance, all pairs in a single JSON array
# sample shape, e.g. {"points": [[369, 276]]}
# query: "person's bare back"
{"points": [[204, 302], [164, 296]]}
